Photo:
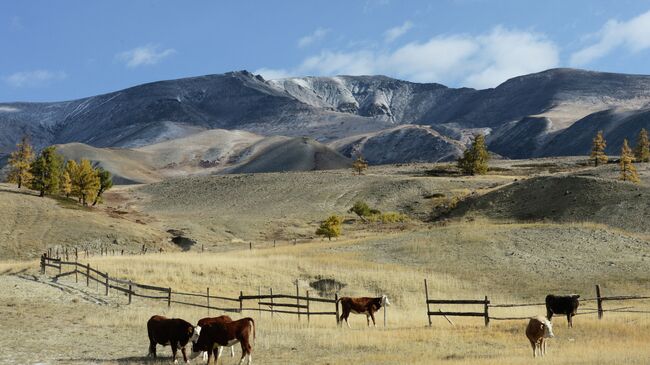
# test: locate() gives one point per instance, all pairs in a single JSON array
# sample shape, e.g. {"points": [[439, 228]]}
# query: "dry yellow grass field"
{"points": [[60, 321]]}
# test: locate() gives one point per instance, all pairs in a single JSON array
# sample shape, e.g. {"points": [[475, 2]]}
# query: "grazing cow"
{"points": [[170, 331], [206, 321], [539, 329], [562, 304], [217, 334], [367, 306]]}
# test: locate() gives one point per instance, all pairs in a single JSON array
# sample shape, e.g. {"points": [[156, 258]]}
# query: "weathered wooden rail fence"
{"points": [[275, 304], [487, 305]]}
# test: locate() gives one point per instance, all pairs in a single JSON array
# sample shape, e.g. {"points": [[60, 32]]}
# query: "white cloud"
{"points": [[317, 35], [149, 54], [633, 35], [393, 33], [8, 109], [34, 78], [479, 61]]}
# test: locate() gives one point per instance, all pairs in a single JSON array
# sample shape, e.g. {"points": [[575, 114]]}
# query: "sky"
{"points": [[62, 50]]}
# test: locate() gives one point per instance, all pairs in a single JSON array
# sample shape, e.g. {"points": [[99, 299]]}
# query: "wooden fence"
{"points": [[487, 305], [275, 304]]}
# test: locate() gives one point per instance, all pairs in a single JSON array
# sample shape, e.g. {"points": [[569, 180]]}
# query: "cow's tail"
{"points": [[253, 325]]}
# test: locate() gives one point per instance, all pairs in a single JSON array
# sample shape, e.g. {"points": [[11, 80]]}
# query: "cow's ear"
{"points": [[190, 330]]}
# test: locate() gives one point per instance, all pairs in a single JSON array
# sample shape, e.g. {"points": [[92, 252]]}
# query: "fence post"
{"points": [[487, 316], [426, 295], [250, 245], [169, 297], [208, 296], [271, 292], [106, 283], [87, 274], [76, 254], [336, 303], [298, 300], [43, 264], [130, 291], [599, 301], [259, 302], [60, 267], [385, 316], [241, 301], [76, 277], [307, 306]]}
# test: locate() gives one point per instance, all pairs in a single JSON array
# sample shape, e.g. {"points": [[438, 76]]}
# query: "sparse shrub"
{"points": [[360, 165], [331, 227], [598, 145], [361, 209], [475, 158], [388, 217], [628, 171]]}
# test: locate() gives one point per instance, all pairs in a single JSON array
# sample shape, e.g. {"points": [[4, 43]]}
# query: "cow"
{"points": [[170, 331], [206, 321], [364, 305], [562, 304], [217, 334], [539, 329]]}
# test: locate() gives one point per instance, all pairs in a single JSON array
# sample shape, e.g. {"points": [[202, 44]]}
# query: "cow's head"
{"points": [[548, 329], [384, 300], [196, 332]]}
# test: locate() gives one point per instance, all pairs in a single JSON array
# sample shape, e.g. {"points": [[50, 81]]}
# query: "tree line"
{"points": [[49, 174], [640, 153]]}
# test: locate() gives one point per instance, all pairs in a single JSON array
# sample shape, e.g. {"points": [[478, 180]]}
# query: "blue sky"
{"points": [[60, 50]]}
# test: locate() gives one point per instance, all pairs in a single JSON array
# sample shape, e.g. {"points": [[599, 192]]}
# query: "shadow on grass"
{"points": [[125, 360], [20, 192]]}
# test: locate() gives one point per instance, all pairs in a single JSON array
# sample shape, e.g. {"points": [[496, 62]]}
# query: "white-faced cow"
{"points": [[537, 331], [562, 304], [226, 334], [170, 331], [364, 305], [208, 320]]}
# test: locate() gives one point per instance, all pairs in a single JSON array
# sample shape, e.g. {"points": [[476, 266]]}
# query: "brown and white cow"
{"points": [[208, 320], [364, 305], [169, 331], [539, 329], [226, 334]]}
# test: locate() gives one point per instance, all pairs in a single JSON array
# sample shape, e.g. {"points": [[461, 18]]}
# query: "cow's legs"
{"points": [[368, 320], [372, 315], [232, 351], [174, 349], [543, 347], [534, 346], [152, 348], [216, 355], [184, 355], [344, 317], [569, 320], [549, 314]]}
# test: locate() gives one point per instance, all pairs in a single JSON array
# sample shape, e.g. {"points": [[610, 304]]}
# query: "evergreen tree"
{"points": [[359, 165], [475, 158], [628, 171], [105, 183], [642, 149], [598, 149], [331, 227], [85, 182], [46, 171], [20, 163]]}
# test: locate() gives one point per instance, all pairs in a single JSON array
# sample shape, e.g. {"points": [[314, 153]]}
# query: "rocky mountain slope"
{"points": [[554, 112]]}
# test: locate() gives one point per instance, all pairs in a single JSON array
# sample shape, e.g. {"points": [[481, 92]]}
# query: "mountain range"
{"points": [[551, 113]]}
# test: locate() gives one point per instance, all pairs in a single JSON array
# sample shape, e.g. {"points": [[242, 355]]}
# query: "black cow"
{"points": [[562, 304], [169, 331]]}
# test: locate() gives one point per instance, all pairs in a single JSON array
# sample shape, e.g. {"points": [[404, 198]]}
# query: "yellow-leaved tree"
{"points": [[475, 158], [20, 162], [85, 182], [628, 171], [359, 165], [331, 227], [598, 145], [642, 149]]}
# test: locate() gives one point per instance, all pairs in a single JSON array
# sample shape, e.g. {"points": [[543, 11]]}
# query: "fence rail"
{"points": [[599, 299], [271, 303]]}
